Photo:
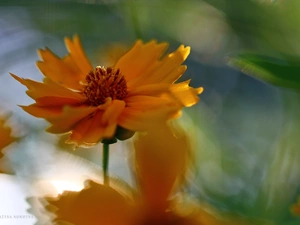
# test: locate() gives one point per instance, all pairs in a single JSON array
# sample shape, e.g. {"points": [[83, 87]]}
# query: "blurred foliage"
{"points": [[284, 73]]}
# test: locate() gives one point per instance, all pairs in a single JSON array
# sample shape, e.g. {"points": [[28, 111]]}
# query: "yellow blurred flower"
{"points": [[161, 156], [104, 102]]}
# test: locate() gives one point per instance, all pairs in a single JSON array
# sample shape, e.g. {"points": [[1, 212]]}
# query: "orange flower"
{"points": [[104, 102]]}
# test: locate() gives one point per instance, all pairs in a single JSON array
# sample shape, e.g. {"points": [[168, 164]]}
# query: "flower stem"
{"points": [[105, 159]]}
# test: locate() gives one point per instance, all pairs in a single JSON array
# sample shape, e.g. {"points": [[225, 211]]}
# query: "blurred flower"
{"points": [[160, 159], [5, 137], [295, 209], [107, 102]]}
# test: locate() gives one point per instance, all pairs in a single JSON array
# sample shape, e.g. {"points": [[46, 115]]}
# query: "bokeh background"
{"points": [[245, 132]]}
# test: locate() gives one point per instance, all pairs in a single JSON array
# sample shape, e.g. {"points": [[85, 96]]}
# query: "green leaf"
{"points": [[279, 72]]}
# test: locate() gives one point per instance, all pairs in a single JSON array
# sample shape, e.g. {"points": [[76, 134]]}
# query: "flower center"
{"points": [[103, 83]]}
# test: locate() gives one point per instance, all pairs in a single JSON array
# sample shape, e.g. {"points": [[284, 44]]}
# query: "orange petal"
{"points": [[166, 71], [140, 58], [185, 94], [90, 130], [78, 55], [42, 111], [149, 89], [160, 156], [56, 101], [112, 113], [94, 205], [69, 117], [141, 119], [47, 88], [5, 135], [63, 71]]}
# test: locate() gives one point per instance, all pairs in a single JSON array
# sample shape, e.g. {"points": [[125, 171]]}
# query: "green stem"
{"points": [[105, 158]]}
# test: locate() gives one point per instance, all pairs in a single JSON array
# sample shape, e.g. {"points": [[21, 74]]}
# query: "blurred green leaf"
{"points": [[279, 72]]}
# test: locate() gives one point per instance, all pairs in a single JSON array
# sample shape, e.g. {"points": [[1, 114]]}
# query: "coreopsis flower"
{"points": [[97, 103], [161, 156]]}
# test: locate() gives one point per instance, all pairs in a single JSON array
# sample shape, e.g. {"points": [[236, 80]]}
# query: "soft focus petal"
{"points": [[191, 212], [161, 156], [6, 139], [5, 134], [94, 205], [140, 58]]}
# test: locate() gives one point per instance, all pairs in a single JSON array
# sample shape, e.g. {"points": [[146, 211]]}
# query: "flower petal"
{"points": [[143, 112], [63, 71], [94, 205], [139, 58], [166, 71], [68, 71], [69, 117], [78, 55], [149, 89], [140, 120], [91, 130], [47, 88], [161, 156], [56, 101], [148, 102], [187, 95], [112, 113], [42, 111], [5, 135]]}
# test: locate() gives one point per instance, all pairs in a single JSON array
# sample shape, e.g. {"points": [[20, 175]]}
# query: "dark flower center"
{"points": [[103, 83]]}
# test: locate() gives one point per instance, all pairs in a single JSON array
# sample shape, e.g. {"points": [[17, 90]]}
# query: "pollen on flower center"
{"points": [[103, 83]]}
